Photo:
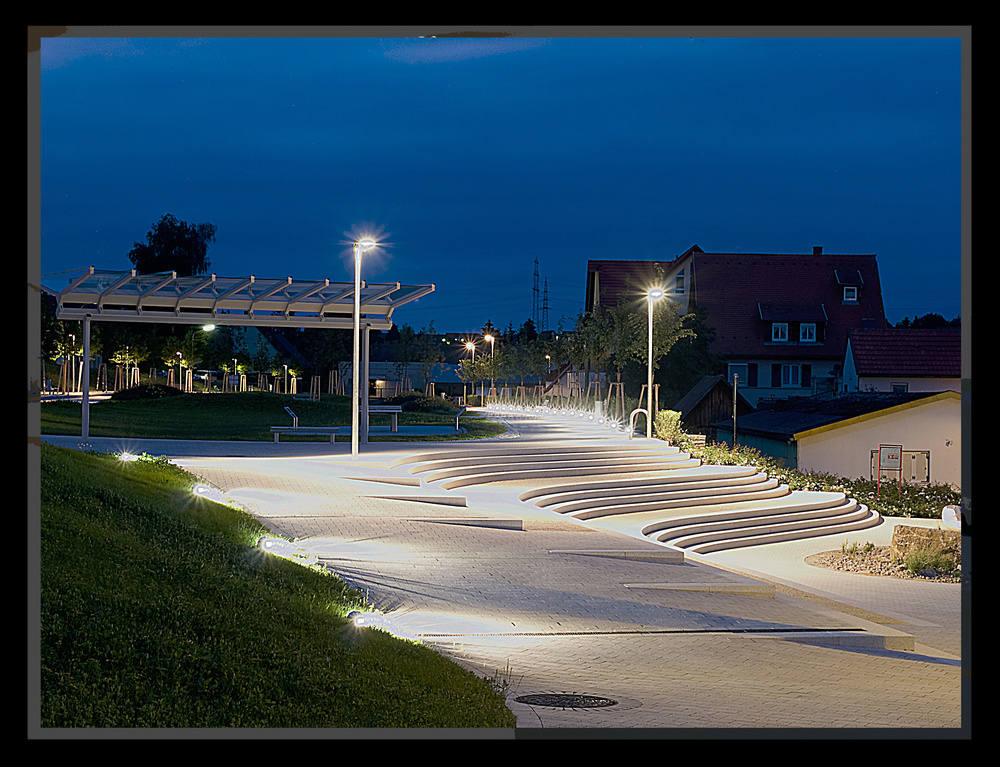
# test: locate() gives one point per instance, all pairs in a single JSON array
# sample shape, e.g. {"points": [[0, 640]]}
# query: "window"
{"points": [[807, 331], [850, 293], [779, 331], [742, 371], [790, 375], [679, 284], [899, 388]]}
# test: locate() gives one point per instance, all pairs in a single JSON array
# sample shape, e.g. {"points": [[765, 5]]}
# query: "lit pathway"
{"points": [[503, 586]]}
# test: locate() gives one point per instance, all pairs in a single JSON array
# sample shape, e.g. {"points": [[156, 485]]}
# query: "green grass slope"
{"points": [[159, 611]]}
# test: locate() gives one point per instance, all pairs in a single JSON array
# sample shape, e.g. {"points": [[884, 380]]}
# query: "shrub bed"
{"points": [[918, 501]]}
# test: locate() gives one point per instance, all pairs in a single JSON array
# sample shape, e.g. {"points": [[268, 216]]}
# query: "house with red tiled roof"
{"points": [[780, 320], [903, 360]]}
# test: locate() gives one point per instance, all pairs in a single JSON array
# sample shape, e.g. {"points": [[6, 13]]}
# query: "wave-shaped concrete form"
{"points": [[513, 463], [650, 490], [799, 514]]}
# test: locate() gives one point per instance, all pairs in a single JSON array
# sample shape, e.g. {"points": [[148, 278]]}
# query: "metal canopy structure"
{"points": [[108, 296], [208, 299]]}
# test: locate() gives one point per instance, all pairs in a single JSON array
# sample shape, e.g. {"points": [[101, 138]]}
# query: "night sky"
{"points": [[472, 157]]}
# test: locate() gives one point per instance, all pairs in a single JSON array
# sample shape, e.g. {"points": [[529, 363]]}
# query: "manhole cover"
{"points": [[566, 700]]}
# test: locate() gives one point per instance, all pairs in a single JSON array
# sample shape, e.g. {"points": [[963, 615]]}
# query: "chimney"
{"points": [[817, 250]]}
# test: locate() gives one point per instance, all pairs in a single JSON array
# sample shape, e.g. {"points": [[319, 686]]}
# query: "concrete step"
{"points": [[548, 495], [857, 520], [771, 489], [527, 459], [462, 478], [582, 465], [799, 516], [477, 452], [666, 495]]}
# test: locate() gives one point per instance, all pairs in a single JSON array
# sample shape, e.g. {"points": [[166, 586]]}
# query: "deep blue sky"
{"points": [[475, 156]]}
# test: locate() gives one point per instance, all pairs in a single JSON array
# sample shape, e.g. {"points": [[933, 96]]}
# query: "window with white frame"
{"points": [[791, 375], [850, 293], [679, 284], [742, 370], [779, 331], [807, 331]]}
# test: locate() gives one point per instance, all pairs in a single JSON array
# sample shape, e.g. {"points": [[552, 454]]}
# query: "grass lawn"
{"points": [[159, 611], [241, 416]]}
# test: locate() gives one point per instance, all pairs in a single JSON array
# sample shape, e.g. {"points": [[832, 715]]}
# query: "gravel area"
{"points": [[877, 562]]}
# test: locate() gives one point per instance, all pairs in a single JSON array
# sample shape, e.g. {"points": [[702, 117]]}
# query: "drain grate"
{"points": [[566, 700]]}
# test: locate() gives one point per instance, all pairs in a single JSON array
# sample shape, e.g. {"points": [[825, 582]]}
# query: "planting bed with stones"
{"points": [[878, 561]]}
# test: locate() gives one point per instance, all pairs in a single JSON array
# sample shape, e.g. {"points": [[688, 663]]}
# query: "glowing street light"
{"points": [[651, 296], [492, 339], [471, 346], [360, 246]]}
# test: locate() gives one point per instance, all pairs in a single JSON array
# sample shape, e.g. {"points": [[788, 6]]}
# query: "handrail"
{"points": [[456, 417], [295, 418], [631, 419]]}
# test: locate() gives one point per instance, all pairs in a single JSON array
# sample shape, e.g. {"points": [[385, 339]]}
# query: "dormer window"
{"points": [[807, 331], [851, 293], [779, 331]]}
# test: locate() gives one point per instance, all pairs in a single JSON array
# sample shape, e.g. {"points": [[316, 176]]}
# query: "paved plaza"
{"points": [[595, 628]]}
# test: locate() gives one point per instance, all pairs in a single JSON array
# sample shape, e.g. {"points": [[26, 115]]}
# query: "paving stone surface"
{"points": [[524, 603]]}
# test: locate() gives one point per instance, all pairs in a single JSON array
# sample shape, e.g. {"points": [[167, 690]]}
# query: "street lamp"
{"points": [[492, 340], [651, 296], [360, 246], [472, 348]]}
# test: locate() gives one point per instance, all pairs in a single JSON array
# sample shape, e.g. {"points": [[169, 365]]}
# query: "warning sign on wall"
{"points": [[890, 457]]}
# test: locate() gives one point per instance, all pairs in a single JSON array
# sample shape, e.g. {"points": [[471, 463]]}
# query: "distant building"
{"points": [[840, 434], [781, 321], [709, 401], [903, 360]]}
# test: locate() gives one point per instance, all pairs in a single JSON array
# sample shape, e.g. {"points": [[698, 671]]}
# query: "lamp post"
{"points": [[472, 348], [651, 296], [360, 246], [489, 337]]}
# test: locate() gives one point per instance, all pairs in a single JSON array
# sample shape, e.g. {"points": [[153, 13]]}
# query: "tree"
{"points": [[174, 245], [930, 320]]}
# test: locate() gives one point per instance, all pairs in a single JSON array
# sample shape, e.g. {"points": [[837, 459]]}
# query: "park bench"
{"points": [[277, 431], [393, 410]]}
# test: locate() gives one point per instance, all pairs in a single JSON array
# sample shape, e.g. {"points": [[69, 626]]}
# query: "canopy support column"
{"points": [[364, 384], [85, 380]]}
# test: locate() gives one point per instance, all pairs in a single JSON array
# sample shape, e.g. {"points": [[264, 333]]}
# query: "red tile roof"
{"points": [[742, 293], [911, 352], [623, 277]]}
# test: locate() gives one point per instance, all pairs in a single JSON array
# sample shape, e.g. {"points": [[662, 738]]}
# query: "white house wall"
{"points": [[871, 383], [846, 450]]}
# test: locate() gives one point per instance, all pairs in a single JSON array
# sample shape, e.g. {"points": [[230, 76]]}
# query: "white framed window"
{"points": [[679, 284], [791, 375], [779, 331], [850, 293], [807, 331]]}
